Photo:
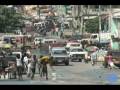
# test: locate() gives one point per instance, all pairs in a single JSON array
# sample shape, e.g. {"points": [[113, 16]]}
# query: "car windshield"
{"points": [[76, 50], [59, 52], [77, 37]]}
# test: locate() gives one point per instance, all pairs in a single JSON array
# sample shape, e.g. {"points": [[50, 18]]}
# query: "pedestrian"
{"points": [[43, 65], [53, 31], [110, 61], [29, 65], [33, 65], [93, 58], [19, 67], [56, 30], [25, 60], [61, 35]]}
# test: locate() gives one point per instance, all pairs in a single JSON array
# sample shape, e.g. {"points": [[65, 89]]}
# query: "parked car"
{"points": [[59, 55]]}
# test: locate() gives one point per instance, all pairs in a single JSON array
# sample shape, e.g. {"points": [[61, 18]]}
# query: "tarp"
{"points": [[7, 46]]}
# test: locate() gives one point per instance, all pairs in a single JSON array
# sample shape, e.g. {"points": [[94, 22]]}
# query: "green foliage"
{"points": [[92, 25], [10, 20]]}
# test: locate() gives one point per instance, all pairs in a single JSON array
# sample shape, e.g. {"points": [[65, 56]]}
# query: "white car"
{"points": [[73, 44], [76, 53], [15, 53], [48, 41]]}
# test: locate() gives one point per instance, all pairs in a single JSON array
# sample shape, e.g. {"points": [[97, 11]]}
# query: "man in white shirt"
{"points": [[56, 30], [19, 66], [25, 60]]}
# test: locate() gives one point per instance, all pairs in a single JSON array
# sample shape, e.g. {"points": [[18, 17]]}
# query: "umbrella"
{"points": [[7, 46]]}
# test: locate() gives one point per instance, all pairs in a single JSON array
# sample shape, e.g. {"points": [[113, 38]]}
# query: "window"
{"points": [[94, 36], [76, 50], [59, 52], [48, 41]]}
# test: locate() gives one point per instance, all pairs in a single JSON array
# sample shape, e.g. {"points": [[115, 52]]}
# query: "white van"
{"points": [[48, 41], [103, 37], [15, 53]]}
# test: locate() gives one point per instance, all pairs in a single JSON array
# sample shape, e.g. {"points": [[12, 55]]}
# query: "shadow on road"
{"points": [[63, 65], [76, 61]]}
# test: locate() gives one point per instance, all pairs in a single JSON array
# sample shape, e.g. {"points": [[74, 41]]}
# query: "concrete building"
{"points": [[81, 13]]}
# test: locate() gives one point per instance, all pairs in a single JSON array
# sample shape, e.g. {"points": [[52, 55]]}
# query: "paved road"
{"points": [[75, 73]]}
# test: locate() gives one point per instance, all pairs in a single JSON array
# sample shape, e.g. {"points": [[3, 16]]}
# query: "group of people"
{"points": [[28, 64], [108, 60]]}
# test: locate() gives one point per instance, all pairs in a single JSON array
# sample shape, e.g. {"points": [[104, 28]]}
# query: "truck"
{"points": [[59, 55], [77, 53], [103, 37], [67, 34]]}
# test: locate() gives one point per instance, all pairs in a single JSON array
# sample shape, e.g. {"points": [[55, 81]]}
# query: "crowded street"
{"points": [[75, 73], [55, 47]]}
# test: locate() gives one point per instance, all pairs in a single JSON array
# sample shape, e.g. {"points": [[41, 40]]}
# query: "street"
{"points": [[76, 73], [54, 34]]}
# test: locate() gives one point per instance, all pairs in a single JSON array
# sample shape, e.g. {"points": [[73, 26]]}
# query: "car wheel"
{"points": [[67, 63]]}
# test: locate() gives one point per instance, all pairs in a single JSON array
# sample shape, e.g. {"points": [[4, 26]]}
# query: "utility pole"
{"points": [[38, 7], [99, 15], [81, 18]]}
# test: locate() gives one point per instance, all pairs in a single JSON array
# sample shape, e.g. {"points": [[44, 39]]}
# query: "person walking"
{"points": [[44, 60], [33, 66], [53, 32], [29, 66], [109, 60], [61, 34], [25, 61], [93, 58], [56, 30], [19, 67]]}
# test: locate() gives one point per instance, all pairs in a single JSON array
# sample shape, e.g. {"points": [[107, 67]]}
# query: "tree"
{"points": [[92, 25], [10, 20]]}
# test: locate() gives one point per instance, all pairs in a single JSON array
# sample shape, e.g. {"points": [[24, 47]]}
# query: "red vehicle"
{"points": [[57, 45]]}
